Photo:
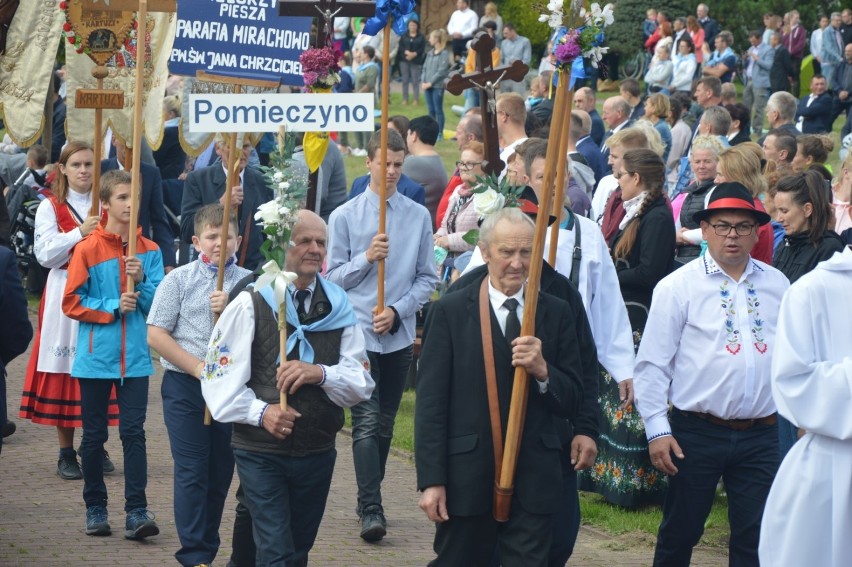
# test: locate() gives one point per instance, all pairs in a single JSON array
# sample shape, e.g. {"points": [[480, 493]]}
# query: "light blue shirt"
{"points": [[410, 275]]}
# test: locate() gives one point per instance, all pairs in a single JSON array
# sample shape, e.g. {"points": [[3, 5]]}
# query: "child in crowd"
{"points": [[179, 326], [112, 352], [649, 26]]}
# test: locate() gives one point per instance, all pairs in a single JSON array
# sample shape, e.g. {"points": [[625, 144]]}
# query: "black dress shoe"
{"points": [[9, 428], [69, 469]]}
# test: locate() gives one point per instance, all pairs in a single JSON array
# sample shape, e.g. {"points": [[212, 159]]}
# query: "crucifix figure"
{"points": [[487, 79], [326, 11]]}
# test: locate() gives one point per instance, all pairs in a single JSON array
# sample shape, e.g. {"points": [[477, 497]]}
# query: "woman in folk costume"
{"points": [[51, 396], [642, 252]]}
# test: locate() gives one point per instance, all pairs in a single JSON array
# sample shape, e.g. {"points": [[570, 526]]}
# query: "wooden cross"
{"points": [[487, 80], [326, 11]]}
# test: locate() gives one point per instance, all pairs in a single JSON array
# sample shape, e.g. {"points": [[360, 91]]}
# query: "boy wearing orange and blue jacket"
{"points": [[112, 351]]}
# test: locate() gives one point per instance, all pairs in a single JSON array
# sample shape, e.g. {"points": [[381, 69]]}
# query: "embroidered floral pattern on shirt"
{"points": [[731, 332], [218, 358], [732, 335], [61, 351], [756, 322]]}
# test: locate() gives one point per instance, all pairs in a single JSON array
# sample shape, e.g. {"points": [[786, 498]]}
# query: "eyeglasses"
{"points": [[742, 229], [467, 165], [621, 174]]}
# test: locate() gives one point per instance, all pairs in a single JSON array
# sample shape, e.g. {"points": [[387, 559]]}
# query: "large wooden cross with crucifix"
{"points": [[487, 80], [326, 11]]}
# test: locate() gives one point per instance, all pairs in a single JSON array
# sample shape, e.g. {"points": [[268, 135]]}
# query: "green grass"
{"points": [[447, 148], [634, 525], [618, 521]]}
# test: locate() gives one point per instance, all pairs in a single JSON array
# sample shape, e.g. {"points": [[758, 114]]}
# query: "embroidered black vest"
{"points": [[321, 419]]}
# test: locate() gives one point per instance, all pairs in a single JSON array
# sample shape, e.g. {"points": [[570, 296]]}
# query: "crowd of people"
{"points": [[668, 353]]}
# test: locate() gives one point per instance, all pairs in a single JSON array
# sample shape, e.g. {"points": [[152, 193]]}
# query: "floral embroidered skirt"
{"points": [[622, 472]]}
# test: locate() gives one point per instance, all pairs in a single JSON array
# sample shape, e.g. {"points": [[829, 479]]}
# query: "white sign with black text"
{"points": [[300, 112]]}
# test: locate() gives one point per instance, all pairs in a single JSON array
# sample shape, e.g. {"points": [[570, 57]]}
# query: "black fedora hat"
{"points": [[731, 196]]}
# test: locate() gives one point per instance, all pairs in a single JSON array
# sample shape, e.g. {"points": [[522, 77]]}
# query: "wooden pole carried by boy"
{"points": [[390, 14]]}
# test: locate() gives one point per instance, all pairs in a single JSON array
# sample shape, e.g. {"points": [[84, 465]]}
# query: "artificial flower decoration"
{"points": [[580, 32], [290, 186], [320, 68], [400, 10]]}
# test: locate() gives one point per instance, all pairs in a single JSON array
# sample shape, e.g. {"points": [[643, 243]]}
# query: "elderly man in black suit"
{"points": [[454, 439], [152, 213], [813, 113], [207, 185]]}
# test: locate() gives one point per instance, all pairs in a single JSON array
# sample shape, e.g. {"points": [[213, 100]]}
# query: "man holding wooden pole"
{"points": [[357, 247], [472, 345]]}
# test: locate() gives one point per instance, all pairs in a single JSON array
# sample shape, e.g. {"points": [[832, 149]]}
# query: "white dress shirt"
{"points": [[708, 344], [464, 22], [228, 368], [600, 291]]}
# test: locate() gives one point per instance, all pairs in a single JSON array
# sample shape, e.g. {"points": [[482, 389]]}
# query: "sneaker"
{"points": [[359, 152], [9, 428], [373, 524], [69, 469], [140, 524], [109, 466], [97, 521]]}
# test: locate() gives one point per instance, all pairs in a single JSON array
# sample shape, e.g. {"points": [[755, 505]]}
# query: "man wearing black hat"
{"points": [[706, 351]]}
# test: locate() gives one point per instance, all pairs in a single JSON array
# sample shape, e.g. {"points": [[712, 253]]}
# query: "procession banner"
{"points": [[244, 40], [158, 44], [299, 112], [26, 65]]}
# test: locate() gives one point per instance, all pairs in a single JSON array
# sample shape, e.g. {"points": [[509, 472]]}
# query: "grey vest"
{"points": [[321, 419]]}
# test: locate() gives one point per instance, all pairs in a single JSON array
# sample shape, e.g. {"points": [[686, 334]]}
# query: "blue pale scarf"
{"points": [[342, 315]]}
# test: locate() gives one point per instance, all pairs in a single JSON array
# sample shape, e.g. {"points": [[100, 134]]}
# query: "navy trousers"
{"points": [[132, 397], [746, 461], [203, 468], [286, 497]]}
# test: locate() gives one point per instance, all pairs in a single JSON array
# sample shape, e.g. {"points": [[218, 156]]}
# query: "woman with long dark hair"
{"points": [[802, 207], [51, 396], [643, 252]]}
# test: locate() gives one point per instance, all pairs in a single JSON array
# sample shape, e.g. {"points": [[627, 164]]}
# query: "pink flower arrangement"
{"points": [[320, 67], [568, 49]]}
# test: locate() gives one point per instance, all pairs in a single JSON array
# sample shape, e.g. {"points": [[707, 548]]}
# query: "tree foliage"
{"points": [[625, 35]]}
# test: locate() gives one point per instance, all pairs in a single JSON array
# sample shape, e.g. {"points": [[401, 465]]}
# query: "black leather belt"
{"points": [[736, 424]]}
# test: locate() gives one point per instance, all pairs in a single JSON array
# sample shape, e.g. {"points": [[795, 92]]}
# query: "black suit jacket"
{"points": [[152, 214], [598, 128], [781, 70], [16, 330], [594, 158], [206, 185], [555, 284], [817, 116], [452, 431]]}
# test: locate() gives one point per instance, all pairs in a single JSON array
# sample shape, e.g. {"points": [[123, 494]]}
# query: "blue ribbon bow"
{"points": [[401, 10]]}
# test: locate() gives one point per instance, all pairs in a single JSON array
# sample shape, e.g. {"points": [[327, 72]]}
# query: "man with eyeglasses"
{"points": [[706, 351]]}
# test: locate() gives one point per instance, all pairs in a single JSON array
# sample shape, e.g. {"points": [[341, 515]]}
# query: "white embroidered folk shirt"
{"points": [[708, 342], [228, 368]]}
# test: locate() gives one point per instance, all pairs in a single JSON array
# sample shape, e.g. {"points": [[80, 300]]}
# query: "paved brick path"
{"points": [[42, 516]]}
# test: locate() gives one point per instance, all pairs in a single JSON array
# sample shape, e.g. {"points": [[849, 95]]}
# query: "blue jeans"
{"points": [[372, 422], [746, 461], [132, 397], [286, 497], [435, 104], [204, 466]]}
